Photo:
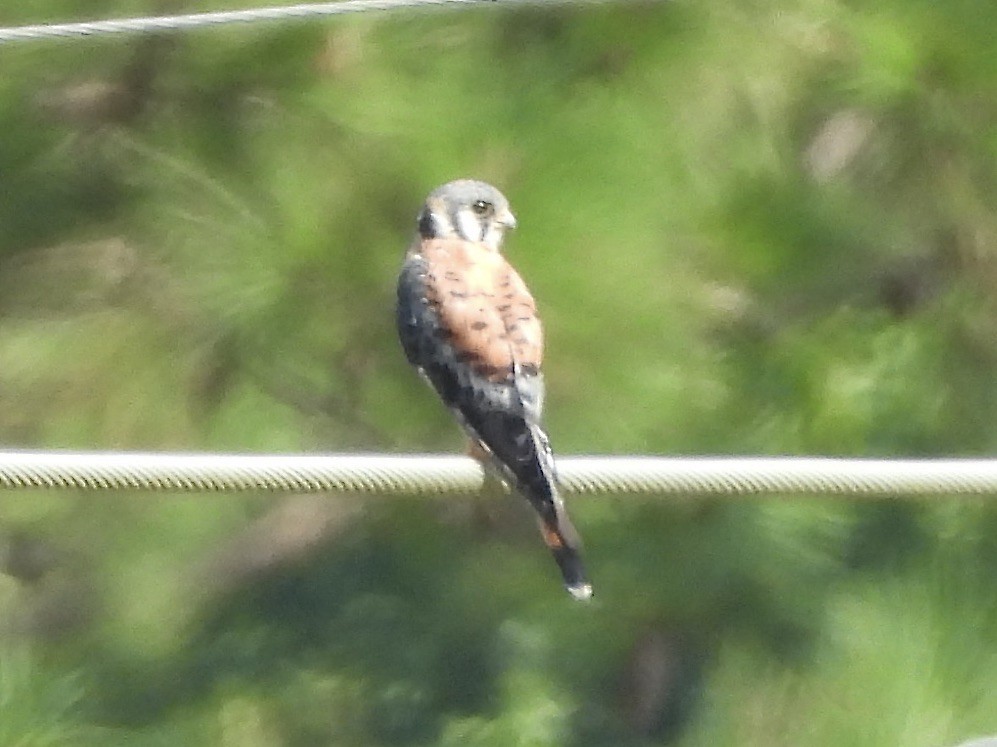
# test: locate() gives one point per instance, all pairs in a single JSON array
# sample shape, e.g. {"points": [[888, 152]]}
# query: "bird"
{"points": [[468, 324]]}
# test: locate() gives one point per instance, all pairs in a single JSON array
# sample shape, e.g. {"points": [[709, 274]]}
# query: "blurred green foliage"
{"points": [[752, 227]]}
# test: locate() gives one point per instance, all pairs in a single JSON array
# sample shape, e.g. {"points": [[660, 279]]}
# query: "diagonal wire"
{"points": [[449, 475], [162, 24]]}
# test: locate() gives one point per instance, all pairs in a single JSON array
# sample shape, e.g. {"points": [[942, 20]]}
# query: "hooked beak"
{"points": [[507, 219]]}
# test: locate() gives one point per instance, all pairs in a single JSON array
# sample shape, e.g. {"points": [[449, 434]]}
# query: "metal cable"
{"points": [[162, 24], [442, 475]]}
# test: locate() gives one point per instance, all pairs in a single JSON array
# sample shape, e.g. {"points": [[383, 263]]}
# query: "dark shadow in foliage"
{"points": [[653, 696], [888, 536], [368, 604]]}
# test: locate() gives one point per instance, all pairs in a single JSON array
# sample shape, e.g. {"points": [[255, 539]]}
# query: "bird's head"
{"points": [[466, 209]]}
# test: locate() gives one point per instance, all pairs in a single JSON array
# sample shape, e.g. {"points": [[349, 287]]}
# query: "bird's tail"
{"points": [[521, 451], [540, 488], [567, 555]]}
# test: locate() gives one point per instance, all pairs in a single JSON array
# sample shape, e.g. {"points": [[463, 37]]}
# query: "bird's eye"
{"points": [[481, 207]]}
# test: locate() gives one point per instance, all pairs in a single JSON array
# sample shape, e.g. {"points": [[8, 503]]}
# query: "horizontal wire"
{"points": [[162, 24], [447, 475]]}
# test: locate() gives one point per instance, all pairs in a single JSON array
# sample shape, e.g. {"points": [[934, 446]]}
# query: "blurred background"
{"points": [[752, 228]]}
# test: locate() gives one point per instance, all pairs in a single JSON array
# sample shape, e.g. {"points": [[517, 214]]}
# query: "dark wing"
{"points": [[472, 331]]}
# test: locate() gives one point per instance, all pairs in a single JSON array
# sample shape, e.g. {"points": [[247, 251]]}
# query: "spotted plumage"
{"points": [[469, 325]]}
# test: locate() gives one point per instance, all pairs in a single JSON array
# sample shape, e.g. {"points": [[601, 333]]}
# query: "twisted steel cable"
{"points": [[446, 475], [162, 24]]}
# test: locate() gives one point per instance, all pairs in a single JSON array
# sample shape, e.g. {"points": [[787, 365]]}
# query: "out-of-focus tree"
{"points": [[751, 229]]}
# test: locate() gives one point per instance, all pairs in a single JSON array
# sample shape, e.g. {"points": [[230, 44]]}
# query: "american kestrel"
{"points": [[469, 325]]}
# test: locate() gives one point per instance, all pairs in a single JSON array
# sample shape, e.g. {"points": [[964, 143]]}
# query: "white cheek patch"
{"points": [[468, 226], [493, 236]]}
